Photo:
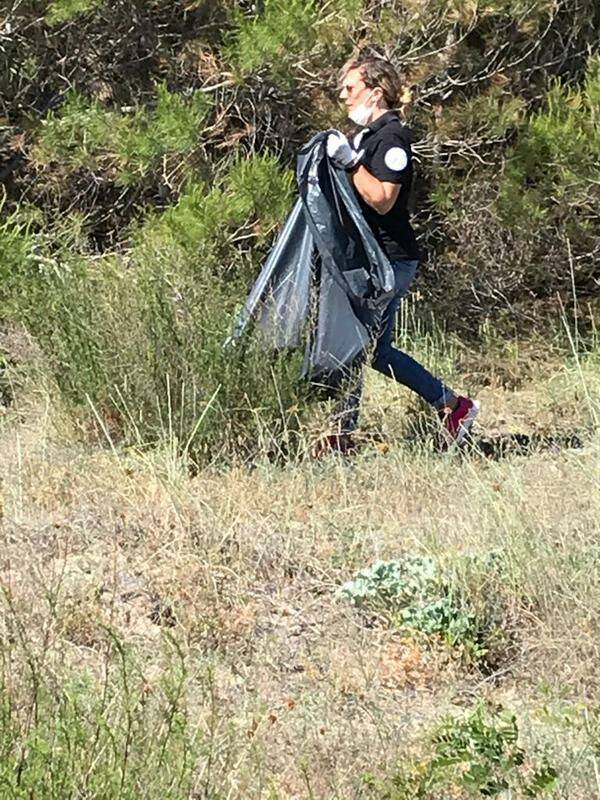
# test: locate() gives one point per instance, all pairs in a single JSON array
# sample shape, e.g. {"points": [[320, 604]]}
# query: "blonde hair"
{"points": [[376, 73]]}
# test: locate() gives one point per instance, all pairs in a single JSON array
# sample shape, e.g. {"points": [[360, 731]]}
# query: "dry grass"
{"points": [[230, 579]]}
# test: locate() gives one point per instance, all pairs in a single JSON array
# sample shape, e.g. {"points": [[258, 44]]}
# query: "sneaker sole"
{"points": [[466, 423]]}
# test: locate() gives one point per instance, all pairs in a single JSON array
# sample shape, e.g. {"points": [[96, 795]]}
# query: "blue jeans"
{"points": [[392, 362]]}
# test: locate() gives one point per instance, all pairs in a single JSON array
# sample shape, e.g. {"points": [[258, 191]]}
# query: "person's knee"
{"points": [[381, 359]]}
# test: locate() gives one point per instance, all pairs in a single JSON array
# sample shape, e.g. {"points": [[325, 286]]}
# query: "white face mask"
{"points": [[361, 114]]}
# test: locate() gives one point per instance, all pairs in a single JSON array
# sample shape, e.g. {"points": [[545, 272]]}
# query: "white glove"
{"points": [[341, 151]]}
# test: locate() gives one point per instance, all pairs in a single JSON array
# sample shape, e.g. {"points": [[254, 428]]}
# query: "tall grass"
{"points": [[136, 342], [184, 637], [70, 733]]}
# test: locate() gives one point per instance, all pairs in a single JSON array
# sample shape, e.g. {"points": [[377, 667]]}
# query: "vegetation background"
{"points": [[173, 624]]}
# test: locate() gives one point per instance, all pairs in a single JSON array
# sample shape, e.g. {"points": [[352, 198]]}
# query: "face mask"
{"points": [[361, 114]]}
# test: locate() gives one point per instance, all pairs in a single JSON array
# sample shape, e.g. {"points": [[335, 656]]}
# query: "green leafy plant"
{"points": [[282, 28], [476, 755], [417, 593], [483, 754], [554, 163], [68, 735], [489, 115], [172, 127]]}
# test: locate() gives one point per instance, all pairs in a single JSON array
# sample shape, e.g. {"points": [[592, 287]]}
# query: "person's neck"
{"points": [[379, 112]]}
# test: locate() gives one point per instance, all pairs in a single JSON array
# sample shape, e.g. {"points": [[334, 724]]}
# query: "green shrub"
{"points": [[553, 168], [478, 755], [554, 164], [252, 198], [513, 232], [173, 127], [16, 246], [516, 198], [283, 30], [77, 133], [68, 735], [417, 594], [85, 134], [486, 116], [64, 10]]}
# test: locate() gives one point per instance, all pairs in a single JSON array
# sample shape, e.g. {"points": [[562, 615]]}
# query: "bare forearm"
{"points": [[380, 196]]}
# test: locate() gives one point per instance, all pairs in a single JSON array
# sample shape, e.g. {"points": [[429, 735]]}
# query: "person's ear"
{"points": [[377, 95]]}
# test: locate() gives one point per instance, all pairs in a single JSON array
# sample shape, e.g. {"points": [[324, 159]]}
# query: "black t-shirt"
{"points": [[387, 156]]}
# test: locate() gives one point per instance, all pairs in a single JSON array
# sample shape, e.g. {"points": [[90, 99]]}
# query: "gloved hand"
{"points": [[341, 151]]}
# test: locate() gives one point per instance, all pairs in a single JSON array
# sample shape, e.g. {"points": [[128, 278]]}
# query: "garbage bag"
{"points": [[326, 280]]}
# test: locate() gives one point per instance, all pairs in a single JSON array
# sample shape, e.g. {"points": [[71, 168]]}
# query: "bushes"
{"points": [[477, 755], [249, 201], [506, 180], [67, 734], [461, 602], [63, 10], [552, 169], [283, 30], [141, 339], [529, 228], [85, 134]]}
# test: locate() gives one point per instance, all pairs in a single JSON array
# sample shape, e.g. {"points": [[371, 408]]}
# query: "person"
{"points": [[380, 162]]}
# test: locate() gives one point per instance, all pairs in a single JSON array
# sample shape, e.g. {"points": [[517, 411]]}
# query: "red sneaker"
{"points": [[457, 424]]}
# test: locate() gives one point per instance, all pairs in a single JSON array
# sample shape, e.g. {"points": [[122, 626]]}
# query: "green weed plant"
{"points": [[473, 756], [283, 31], [417, 593], [554, 163], [73, 735]]}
